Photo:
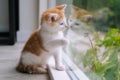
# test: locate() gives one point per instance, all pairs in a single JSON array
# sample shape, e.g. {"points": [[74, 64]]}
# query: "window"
{"points": [[94, 37], [9, 22]]}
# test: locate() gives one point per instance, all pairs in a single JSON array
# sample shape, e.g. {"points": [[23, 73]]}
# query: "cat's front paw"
{"points": [[64, 41], [60, 68]]}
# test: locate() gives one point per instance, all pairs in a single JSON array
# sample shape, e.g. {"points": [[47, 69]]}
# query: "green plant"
{"points": [[106, 66], [114, 5]]}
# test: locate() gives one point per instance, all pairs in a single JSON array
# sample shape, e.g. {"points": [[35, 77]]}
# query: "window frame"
{"points": [[9, 38]]}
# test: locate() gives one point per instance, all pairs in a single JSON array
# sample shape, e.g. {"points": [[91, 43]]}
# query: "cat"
{"points": [[90, 20], [79, 23], [45, 42], [82, 23], [80, 19]]}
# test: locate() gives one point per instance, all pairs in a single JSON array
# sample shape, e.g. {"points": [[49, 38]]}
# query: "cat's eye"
{"points": [[77, 24], [70, 20], [61, 23]]}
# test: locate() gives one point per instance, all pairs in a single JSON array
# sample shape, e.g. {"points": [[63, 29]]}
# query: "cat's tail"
{"points": [[31, 69]]}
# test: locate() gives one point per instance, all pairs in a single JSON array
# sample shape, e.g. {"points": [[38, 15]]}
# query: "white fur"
{"points": [[53, 41], [31, 59]]}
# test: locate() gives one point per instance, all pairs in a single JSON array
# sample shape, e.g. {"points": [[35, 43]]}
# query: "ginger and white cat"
{"points": [[45, 42]]}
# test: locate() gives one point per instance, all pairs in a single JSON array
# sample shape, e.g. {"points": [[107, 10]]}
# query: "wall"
{"points": [[28, 18], [45, 4], [30, 12]]}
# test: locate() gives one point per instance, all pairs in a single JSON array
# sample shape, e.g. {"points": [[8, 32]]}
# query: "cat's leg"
{"points": [[58, 60]]}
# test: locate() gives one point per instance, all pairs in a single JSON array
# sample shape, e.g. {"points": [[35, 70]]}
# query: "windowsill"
{"points": [[72, 72]]}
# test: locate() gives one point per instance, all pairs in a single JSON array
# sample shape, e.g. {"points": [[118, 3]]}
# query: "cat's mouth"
{"points": [[71, 26], [67, 27]]}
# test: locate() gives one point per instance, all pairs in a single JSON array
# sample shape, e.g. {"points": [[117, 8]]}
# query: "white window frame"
{"points": [[72, 72]]}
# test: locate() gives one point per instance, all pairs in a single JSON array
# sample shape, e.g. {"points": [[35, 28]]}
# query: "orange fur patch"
{"points": [[34, 44], [32, 69]]}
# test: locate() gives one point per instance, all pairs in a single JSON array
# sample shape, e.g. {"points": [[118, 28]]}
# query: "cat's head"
{"points": [[79, 17], [54, 20]]}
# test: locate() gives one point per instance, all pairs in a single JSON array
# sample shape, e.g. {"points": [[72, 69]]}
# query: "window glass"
{"points": [[94, 37], [4, 16]]}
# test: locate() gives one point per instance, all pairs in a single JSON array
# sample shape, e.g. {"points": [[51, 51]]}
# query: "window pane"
{"points": [[4, 16], [94, 37]]}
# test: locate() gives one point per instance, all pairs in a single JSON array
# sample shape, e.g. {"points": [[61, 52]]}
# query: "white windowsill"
{"points": [[72, 72]]}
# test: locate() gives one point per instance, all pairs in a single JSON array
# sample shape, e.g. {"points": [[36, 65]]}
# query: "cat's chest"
{"points": [[48, 37]]}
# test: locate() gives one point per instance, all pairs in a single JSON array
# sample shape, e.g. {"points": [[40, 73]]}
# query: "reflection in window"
{"points": [[94, 37]]}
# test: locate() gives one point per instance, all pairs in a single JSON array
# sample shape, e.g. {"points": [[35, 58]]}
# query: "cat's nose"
{"points": [[66, 26]]}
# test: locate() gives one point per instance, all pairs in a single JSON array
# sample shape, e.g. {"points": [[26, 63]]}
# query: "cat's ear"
{"points": [[74, 8], [62, 7], [88, 18], [52, 17]]}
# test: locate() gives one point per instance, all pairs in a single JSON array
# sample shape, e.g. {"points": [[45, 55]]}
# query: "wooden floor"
{"points": [[9, 57]]}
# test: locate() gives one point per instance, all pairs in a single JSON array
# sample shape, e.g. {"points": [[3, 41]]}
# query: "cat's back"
{"points": [[34, 43]]}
